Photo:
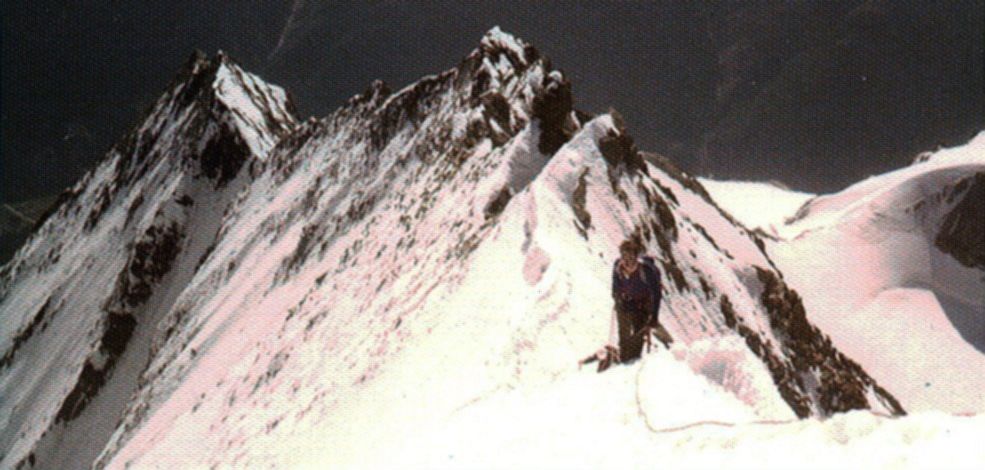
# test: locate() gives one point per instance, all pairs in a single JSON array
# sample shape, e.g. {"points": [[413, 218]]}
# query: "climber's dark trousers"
{"points": [[631, 319]]}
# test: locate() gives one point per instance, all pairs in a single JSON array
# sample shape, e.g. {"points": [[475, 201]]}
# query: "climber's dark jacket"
{"points": [[637, 299]]}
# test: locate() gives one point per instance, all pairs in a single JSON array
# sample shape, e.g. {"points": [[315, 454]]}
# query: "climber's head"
{"points": [[629, 250]]}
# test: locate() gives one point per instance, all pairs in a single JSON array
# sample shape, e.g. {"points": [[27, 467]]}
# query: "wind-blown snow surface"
{"points": [[348, 285], [892, 268]]}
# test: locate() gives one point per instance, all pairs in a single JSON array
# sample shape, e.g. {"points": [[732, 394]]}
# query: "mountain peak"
{"points": [[213, 111], [253, 102], [497, 41], [205, 77], [507, 53]]}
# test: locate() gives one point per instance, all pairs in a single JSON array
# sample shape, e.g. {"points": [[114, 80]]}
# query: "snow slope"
{"points": [[337, 286], [892, 268], [763, 206], [620, 419]]}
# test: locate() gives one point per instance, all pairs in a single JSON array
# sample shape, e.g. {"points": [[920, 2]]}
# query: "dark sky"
{"points": [[75, 77], [813, 94]]}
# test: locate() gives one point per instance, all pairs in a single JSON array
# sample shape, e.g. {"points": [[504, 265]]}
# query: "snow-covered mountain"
{"points": [[83, 300], [234, 287], [893, 268]]}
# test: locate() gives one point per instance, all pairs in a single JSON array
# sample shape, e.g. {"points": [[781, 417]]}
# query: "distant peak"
{"points": [[496, 36], [229, 113], [200, 69], [496, 41], [204, 79]]}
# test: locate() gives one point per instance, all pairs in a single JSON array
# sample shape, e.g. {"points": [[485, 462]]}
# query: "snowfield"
{"points": [[412, 280], [883, 269], [649, 416], [763, 206]]}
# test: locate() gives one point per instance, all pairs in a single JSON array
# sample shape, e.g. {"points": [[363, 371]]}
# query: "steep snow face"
{"points": [[413, 255], [892, 268], [323, 270], [325, 328], [81, 300]]}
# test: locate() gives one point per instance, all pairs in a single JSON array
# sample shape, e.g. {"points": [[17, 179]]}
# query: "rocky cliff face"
{"points": [[963, 232]]}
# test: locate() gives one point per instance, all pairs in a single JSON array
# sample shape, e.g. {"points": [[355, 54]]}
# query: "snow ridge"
{"points": [[436, 248]]}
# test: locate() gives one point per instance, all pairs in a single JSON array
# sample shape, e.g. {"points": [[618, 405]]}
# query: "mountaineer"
{"points": [[637, 294]]}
